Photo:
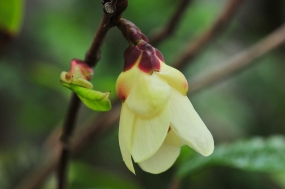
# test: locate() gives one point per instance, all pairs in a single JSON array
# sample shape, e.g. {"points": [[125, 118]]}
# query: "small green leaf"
{"points": [[11, 12], [95, 100], [256, 154]]}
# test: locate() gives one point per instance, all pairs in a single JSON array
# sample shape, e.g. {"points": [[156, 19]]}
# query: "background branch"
{"points": [[239, 61], [193, 48], [171, 25]]}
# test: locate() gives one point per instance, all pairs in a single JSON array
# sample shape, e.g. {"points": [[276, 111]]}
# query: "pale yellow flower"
{"points": [[157, 117]]}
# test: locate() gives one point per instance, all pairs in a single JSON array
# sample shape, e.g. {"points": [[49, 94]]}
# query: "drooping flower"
{"points": [[157, 117]]}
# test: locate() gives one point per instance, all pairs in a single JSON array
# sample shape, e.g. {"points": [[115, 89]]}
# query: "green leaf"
{"points": [[95, 100], [256, 154], [11, 12]]}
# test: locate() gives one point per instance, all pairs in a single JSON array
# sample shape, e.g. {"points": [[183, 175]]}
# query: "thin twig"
{"points": [[93, 54], [239, 61], [171, 25], [68, 127], [194, 47], [91, 58]]}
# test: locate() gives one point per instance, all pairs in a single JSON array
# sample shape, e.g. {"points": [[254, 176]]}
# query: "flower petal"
{"points": [[174, 78], [125, 132], [187, 124], [149, 95], [165, 157], [149, 134], [125, 82]]}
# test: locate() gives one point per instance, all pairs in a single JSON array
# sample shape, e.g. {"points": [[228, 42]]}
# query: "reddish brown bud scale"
{"points": [[149, 62], [131, 32], [127, 51], [159, 55], [131, 56], [144, 37], [134, 35], [144, 46]]}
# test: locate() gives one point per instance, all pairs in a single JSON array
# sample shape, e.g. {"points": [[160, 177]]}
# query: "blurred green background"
{"points": [[245, 113]]}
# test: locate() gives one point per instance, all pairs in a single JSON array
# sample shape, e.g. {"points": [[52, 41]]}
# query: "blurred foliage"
{"points": [[11, 12], [33, 103], [85, 176], [82, 175], [13, 167], [256, 154]]}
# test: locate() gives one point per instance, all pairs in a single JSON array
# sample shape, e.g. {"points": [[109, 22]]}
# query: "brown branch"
{"points": [[240, 61], [171, 25], [91, 58], [68, 127], [93, 54], [194, 47]]}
